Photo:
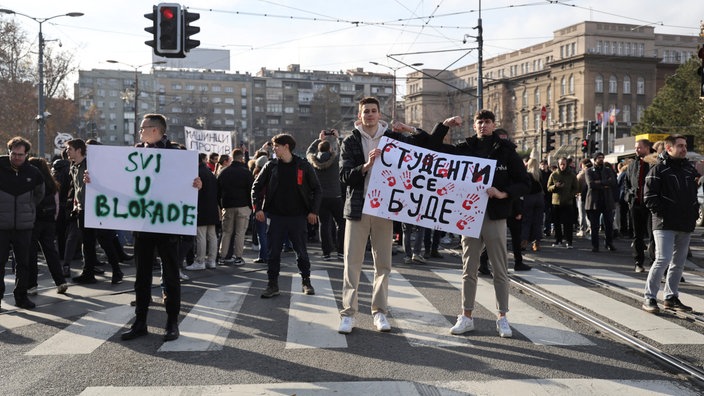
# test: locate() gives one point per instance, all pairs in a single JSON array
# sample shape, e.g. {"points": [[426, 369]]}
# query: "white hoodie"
{"points": [[369, 143]]}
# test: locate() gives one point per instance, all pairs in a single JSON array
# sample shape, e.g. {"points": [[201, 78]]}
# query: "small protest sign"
{"points": [[204, 141]]}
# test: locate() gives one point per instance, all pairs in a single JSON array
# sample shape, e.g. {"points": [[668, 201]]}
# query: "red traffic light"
{"points": [[167, 13]]}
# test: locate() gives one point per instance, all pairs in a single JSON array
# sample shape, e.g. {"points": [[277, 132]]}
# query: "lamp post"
{"points": [[136, 90], [393, 89], [41, 115]]}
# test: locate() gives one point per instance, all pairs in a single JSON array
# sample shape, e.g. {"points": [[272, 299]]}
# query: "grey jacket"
{"points": [[327, 167]]}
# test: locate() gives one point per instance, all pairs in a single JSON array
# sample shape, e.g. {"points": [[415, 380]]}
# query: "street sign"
{"points": [[543, 113]]}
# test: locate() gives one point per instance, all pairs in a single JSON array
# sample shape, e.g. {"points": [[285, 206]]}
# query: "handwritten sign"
{"points": [[440, 191], [204, 141], [141, 189]]}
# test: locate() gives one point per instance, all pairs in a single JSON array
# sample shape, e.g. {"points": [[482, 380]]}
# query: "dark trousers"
{"points": [[332, 225], [640, 216], [431, 240], [563, 218], [296, 228], [145, 244], [20, 241], [90, 237], [608, 217], [74, 238], [260, 230], [515, 227], [44, 237]]}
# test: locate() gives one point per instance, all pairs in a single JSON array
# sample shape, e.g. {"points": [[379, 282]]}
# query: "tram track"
{"points": [[674, 363]]}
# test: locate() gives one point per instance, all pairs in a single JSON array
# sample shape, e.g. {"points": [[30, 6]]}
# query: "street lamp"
{"points": [[136, 90], [41, 115], [393, 90]]}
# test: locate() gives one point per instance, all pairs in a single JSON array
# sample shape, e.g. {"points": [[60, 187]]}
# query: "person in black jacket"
{"points": [[208, 217], [21, 190], [640, 215], [44, 231], [152, 133], [671, 195], [357, 156], [234, 196], [510, 182], [292, 195]]}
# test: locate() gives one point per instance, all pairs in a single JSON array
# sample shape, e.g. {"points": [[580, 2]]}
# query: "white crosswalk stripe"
{"points": [[539, 328], [588, 386], [208, 324], [86, 334], [419, 321], [638, 285], [634, 318], [313, 320]]}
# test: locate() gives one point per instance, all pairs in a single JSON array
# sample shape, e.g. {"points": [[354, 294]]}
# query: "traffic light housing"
{"points": [[151, 29], [585, 146], [549, 141], [595, 127], [169, 29], [189, 30], [593, 146]]}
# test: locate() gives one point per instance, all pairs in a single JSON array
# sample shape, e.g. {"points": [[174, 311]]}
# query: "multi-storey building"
{"points": [[585, 69], [253, 108]]}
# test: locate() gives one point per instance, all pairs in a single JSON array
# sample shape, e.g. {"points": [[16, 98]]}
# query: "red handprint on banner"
{"points": [[408, 157], [428, 159], [464, 222], [374, 199], [407, 180], [469, 202], [444, 190], [390, 179], [389, 146], [444, 171]]}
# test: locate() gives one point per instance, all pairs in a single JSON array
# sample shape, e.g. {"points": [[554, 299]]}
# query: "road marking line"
{"points": [[313, 320], [534, 324], [208, 324], [417, 318], [638, 286], [86, 334], [634, 318]]}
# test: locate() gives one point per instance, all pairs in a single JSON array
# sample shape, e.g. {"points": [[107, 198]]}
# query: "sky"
{"points": [[337, 35]]}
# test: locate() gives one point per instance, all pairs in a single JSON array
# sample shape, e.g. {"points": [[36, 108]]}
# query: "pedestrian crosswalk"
{"points": [[313, 319]]}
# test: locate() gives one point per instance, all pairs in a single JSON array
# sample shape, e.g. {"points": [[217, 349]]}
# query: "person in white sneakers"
{"points": [[357, 155], [208, 216], [510, 181]]}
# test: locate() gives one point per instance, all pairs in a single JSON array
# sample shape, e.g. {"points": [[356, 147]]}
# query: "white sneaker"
{"points": [[183, 276], [32, 291], [210, 265], [196, 266], [503, 328], [381, 323], [346, 325], [418, 258], [463, 325]]}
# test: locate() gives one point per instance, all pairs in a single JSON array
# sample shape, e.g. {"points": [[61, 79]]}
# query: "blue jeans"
{"points": [[670, 253], [260, 228]]}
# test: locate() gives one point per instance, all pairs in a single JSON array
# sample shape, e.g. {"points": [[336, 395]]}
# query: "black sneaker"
{"points": [[675, 304], [24, 303], [521, 267], [117, 278], [85, 279], [650, 305], [307, 288], [484, 270], [271, 290], [435, 254]]}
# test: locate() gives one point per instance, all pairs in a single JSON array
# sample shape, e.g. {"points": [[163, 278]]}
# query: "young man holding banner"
{"points": [[510, 181], [357, 156]]}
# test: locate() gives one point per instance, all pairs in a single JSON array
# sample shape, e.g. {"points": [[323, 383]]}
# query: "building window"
{"points": [[626, 85], [613, 85], [626, 114], [549, 98], [524, 99], [570, 113], [640, 86], [639, 112], [599, 84], [536, 97], [524, 120], [536, 121], [599, 46], [563, 86], [571, 87], [243, 92]]}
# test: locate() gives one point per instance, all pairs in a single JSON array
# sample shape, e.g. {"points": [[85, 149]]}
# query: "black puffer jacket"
{"points": [[267, 184], [671, 194], [20, 192], [235, 186]]}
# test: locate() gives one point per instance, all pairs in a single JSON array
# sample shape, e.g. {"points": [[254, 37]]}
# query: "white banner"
{"points": [[413, 185], [142, 189], [204, 141]]}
